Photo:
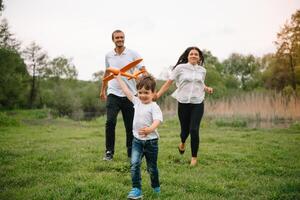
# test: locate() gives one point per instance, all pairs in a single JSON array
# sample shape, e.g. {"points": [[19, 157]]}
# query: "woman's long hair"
{"points": [[184, 57]]}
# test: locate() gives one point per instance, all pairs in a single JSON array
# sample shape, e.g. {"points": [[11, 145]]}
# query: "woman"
{"points": [[189, 75]]}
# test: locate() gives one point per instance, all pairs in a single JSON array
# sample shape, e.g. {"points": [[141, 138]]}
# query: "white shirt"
{"points": [[190, 83], [112, 59], [144, 115]]}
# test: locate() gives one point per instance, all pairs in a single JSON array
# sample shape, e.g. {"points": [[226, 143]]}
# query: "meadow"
{"points": [[42, 157]]}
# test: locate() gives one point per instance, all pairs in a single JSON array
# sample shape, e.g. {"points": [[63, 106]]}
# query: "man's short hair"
{"points": [[116, 31], [148, 82]]}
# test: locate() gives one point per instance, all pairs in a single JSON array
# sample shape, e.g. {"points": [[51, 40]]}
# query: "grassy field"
{"points": [[45, 158]]}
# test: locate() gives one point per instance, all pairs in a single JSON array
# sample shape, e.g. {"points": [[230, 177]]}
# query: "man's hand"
{"points": [[103, 96]]}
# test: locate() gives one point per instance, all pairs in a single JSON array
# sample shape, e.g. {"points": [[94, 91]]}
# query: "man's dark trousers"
{"points": [[113, 106]]}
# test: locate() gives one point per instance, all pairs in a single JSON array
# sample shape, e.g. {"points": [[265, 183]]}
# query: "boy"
{"points": [[147, 117]]}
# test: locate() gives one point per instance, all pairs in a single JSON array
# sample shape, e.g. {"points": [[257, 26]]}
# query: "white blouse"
{"points": [[190, 83]]}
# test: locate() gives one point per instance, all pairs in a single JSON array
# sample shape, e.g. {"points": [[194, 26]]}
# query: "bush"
{"points": [[295, 126], [7, 120]]}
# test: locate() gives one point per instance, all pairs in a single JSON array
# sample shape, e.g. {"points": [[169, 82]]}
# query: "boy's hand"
{"points": [[145, 131], [117, 75]]}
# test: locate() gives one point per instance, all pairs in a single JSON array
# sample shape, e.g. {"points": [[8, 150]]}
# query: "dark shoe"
{"points": [[180, 150], [108, 156]]}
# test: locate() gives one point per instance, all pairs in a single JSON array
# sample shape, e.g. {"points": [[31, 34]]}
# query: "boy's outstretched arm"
{"points": [[124, 88]]}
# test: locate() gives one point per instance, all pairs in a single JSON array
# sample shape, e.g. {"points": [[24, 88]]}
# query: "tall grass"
{"points": [[256, 105]]}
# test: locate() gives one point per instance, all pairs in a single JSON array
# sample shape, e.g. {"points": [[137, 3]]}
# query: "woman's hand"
{"points": [[155, 97], [209, 90]]}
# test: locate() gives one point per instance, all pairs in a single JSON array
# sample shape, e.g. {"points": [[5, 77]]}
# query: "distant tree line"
{"points": [[30, 79]]}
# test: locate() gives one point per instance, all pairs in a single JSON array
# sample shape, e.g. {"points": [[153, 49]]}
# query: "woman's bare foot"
{"points": [[181, 148], [193, 161]]}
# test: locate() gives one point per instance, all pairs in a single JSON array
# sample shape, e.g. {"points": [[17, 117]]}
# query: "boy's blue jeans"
{"points": [[149, 149]]}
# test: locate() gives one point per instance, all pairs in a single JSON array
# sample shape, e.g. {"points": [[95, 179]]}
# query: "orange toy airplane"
{"points": [[122, 71]]}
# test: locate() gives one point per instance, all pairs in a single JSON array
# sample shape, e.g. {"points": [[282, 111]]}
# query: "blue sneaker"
{"points": [[156, 190], [135, 193]]}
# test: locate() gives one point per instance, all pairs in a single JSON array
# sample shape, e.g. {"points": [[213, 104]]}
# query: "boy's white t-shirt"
{"points": [[144, 115]]}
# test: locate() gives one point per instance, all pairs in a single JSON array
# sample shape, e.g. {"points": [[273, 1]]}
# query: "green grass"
{"points": [[44, 158]]}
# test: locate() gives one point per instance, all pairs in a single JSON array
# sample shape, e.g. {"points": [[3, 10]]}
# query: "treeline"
{"points": [[30, 79]]}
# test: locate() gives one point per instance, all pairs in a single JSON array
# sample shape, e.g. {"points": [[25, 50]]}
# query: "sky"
{"points": [[159, 30]]}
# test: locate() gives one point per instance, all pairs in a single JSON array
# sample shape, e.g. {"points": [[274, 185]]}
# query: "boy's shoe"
{"points": [[108, 156], [135, 193], [156, 190]]}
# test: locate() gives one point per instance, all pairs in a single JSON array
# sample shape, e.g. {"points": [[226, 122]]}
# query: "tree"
{"points": [[245, 68], [61, 67], [274, 74], [97, 76], [288, 46], [13, 79], [1, 6], [36, 60], [7, 39], [212, 61]]}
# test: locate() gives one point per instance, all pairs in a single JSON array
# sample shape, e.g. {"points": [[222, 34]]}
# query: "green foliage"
{"points": [[1, 6], [60, 67], [245, 68], [231, 82], [295, 126], [7, 39], [238, 123], [13, 79], [212, 61], [288, 91], [73, 98], [36, 60], [6, 120], [213, 79], [288, 47], [65, 102], [33, 114]]}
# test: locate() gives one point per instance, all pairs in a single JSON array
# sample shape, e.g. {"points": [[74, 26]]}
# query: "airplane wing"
{"points": [[131, 65]]}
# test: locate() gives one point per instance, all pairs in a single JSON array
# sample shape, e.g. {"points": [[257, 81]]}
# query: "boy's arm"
{"points": [[146, 130], [125, 88]]}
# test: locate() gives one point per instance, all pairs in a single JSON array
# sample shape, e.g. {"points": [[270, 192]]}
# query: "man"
{"points": [[116, 100]]}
